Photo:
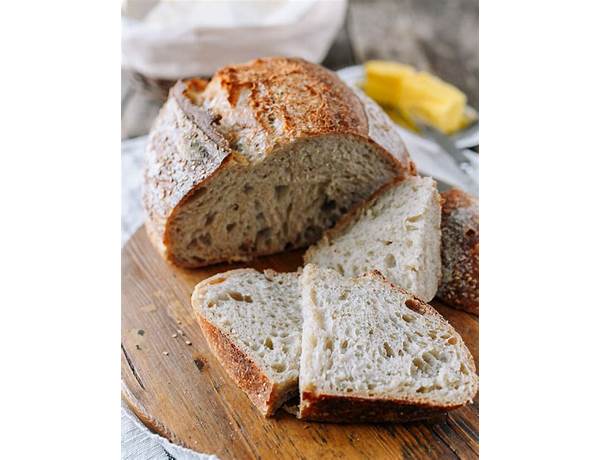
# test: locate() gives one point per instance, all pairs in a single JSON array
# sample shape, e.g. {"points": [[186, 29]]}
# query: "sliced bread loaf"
{"points": [[252, 322], [261, 159], [459, 286], [396, 232], [373, 352]]}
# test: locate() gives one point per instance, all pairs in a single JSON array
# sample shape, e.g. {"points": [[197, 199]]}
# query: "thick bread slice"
{"points": [[252, 322], [373, 352], [397, 232], [261, 159], [459, 286]]}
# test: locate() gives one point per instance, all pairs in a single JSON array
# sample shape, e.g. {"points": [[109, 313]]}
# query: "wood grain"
{"points": [[181, 392]]}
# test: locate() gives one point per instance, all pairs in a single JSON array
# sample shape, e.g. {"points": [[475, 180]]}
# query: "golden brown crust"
{"points": [[266, 395], [198, 131], [306, 98], [356, 409], [172, 170], [460, 251], [246, 374], [362, 408]]}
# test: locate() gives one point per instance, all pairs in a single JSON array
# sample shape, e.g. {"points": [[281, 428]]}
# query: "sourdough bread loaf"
{"points": [[459, 286], [397, 232], [374, 352], [252, 323], [261, 159]]}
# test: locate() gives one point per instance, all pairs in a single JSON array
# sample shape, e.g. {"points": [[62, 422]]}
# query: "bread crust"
{"points": [[357, 409], [364, 408], [266, 395], [246, 374], [459, 286], [190, 144]]}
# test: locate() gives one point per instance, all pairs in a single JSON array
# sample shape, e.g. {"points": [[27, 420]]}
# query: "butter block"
{"points": [[384, 80], [416, 96], [432, 100]]}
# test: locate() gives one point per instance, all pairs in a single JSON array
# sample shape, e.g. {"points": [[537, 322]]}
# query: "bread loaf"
{"points": [[397, 232], [459, 286], [261, 159], [252, 323], [373, 352]]}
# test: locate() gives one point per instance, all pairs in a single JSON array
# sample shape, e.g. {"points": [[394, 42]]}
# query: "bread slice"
{"points": [[396, 232], [373, 352], [253, 324], [262, 159], [459, 286]]}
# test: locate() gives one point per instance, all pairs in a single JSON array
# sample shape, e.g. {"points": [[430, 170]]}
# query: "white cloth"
{"points": [[178, 39], [137, 442]]}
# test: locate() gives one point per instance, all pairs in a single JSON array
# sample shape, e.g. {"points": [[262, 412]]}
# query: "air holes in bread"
{"points": [[278, 367], [340, 269], [389, 353], [230, 227], [415, 218], [209, 218], [328, 344], [387, 243], [328, 205], [344, 345], [263, 234], [408, 318], [428, 358], [390, 261], [452, 341], [268, 343], [248, 188], [280, 191], [418, 365], [240, 297], [343, 295]]}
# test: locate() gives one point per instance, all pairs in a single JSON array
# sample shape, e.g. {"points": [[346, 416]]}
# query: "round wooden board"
{"points": [[181, 392]]}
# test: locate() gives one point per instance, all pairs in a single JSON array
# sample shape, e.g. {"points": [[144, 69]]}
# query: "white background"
{"points": [[539, 191]]}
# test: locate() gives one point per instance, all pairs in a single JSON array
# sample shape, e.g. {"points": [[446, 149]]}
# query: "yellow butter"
{"points": [[416, 95], [384, 80]]}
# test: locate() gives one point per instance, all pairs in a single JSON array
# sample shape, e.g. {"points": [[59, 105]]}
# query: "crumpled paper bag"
{"points": [[179, 39]]}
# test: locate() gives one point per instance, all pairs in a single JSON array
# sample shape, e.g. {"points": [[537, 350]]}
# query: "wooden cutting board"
{"points": [[181, 392]]}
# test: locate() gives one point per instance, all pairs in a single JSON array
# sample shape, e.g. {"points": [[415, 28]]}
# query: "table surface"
{"points": [[440, 36]]}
